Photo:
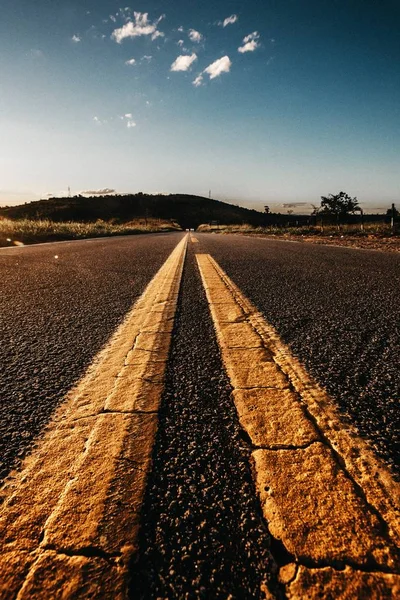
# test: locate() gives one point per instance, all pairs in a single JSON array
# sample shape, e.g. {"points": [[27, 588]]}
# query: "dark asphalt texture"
{"points": [[339, 311], [202, 534], [55, 315]]}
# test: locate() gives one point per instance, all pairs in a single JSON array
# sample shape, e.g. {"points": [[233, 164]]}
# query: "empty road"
{"points": [[207, 528]]}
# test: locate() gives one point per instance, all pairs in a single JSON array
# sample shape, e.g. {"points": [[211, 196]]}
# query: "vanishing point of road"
{"points": [[199, 416]]}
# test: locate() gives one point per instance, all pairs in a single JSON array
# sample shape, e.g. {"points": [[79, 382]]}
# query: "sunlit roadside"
{"points": [[29, 231]]}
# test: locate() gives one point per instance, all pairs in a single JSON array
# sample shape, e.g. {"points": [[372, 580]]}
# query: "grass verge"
{"points": [[374, 236], [29, 231]]}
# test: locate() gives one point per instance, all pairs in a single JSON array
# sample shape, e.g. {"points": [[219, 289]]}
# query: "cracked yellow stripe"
{"points": [[324, 494], [70, 516]]}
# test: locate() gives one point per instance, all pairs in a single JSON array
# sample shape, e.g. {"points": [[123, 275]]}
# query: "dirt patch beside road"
{"points": [[370, 242], [389, 243]]}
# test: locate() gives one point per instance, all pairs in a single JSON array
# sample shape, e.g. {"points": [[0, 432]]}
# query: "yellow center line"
{"points": [[194, 240], [323, 491], [69, 521]]}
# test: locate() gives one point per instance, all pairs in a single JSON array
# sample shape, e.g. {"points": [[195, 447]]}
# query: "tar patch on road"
{"points": [[202, 533]]}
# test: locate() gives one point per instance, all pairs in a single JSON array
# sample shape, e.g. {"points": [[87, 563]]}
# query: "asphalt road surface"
{"points": [[339, 311], [202, 532], [55, 315]]}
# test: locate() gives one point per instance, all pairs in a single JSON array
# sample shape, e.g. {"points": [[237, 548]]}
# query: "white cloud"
{"points": [[183, 62], [128, 119], [99, 121], [249, 47], [146, 57], [252, 36], [250, 43], [138, 27], [198, 81], [229, 20], [99, 192], [113, 19], [195, 36], [157, 34], [180, 29], [130, 62], [76, 39], [215, 69], [181, 45]]}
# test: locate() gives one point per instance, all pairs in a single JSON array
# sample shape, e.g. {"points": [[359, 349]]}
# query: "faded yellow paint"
{"points": [[268, 427], [58, 577], [349, 584], [314, 509], [323, 491], [80, 491]]}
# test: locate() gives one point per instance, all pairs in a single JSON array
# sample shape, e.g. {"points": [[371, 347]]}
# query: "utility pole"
{"points": [[209, 194], [69, 192], [392, 219]]}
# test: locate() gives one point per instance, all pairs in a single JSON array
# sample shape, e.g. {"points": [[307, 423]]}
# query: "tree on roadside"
{"points": [[392, 212], [338, 205], [393, 215]]}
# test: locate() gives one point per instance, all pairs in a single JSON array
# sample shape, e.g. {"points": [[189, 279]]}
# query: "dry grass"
{"points": [[382, 229], [27, 231], [375, 236], [231, 229]]}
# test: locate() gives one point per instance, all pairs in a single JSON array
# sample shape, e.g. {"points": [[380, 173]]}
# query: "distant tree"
{"points": [[392, 212], [338, 205], [266, 210], [315, 212]]}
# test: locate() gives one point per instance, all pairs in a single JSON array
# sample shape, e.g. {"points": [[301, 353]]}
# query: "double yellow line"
{"points": [[70, 517]]}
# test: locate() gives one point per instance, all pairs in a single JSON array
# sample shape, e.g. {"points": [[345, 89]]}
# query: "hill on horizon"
{"points": [[187, 210]]}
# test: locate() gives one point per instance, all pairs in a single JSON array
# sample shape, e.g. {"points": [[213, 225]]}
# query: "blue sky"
{"points": [[263, 102]]}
